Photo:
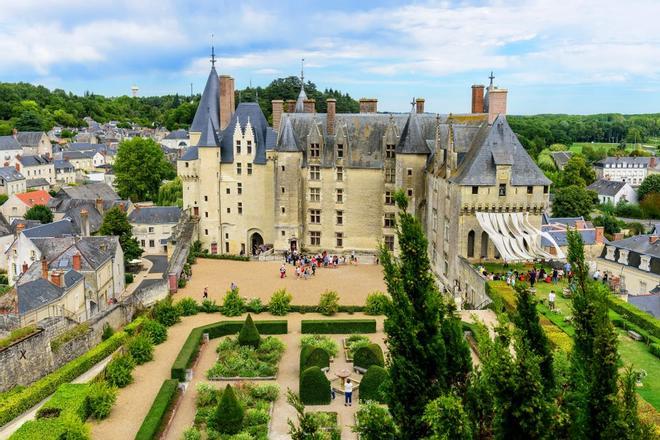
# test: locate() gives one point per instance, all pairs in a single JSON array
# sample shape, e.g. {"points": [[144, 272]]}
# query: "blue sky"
{"points": [[554, 56]]}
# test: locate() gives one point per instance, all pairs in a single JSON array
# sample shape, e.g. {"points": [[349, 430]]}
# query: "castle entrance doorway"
{"points": [[255, 242]]}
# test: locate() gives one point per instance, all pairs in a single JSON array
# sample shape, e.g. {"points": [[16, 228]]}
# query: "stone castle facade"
{"points": [[326, 181]]}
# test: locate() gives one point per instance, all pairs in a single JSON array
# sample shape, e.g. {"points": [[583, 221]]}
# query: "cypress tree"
{"points": [[228, 417], [249, 334]]}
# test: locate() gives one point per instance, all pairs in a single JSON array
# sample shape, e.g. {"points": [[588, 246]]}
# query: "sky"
{"points": [[554, 56]]}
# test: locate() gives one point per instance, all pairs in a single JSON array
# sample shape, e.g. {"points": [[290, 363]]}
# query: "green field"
{"points": [[577, 146], [636, 354]]}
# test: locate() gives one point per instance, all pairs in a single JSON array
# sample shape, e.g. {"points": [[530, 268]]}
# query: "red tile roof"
{"points": [[32, 198]]}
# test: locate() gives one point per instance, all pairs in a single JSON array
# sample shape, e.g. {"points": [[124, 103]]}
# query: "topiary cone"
{"points": [[228, 417], [249, 334]]}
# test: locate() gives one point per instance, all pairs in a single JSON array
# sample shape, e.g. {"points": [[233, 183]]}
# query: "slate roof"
{"points": [[264, 136], [190, 154], [33, 161], [300, 102], [91, 191], [557, 228], [94, 252], [72, 155], [32, 198], [209, 135], [40, 292], [10, 174], [208, 104], [607, 187], [640, 244], [9, 143], [88, 147], [412, 140], [287, 139], [61, 228], [646, 303], [561, 158], [71, 209], [177, 134], [561, 237], [155, 215], [27, 224], [63, 165], [29, 138], [36, 183], [627, 162], [478, 166]]}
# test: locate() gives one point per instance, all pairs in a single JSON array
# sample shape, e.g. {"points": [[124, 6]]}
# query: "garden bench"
{"points": [[359, 370], [634, 335]]}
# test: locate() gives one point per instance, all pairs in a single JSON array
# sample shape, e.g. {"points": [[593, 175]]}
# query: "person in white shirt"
{"points": [[348, 392], [551, 299]]}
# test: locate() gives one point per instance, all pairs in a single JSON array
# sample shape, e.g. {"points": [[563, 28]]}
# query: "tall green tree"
{"points": [[140, 168], [39, 212], [526, 320], [574, 201], [171, 193], [419, 371], [650, 185], [115, 222], [577, 171]]}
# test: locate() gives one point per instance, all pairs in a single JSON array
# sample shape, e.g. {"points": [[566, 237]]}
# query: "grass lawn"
{"points": [[576, 147], [635, 353]]}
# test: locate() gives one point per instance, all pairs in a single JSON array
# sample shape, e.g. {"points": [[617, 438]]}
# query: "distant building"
{"points": [[561, 158], [10, 150], [18, 204], [37, 184], [35, 143], [35, 167], [624, 169], [613, 191], [176, 140], [65, 172], [557, 228], [11, 181], [633, 264], [153, 226]]}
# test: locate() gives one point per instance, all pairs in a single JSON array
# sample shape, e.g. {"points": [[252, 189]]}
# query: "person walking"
{"points": [[532, 277], [348, 393], [555, 276], [282, 271], [551, 300], [205, 295]]}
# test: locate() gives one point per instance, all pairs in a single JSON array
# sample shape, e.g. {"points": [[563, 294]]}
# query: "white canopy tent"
{"points": [[515, 238]]}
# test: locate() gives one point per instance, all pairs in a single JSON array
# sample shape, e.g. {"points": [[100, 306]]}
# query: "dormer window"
{"points": [[249, 147], [314, 151], [238, 147], [389, 151], [340, 151]]}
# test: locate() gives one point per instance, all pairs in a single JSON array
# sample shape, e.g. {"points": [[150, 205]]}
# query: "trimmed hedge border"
{"points": [[311, 356], [635, 316], [338, 326], [314, 387], [222, 257], [293, 308], [154, 419], [18, 403], [190, 348]]}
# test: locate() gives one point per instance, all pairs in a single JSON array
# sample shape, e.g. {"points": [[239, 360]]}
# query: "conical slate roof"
{"points": [[300, 102], [209, 137], [411, 140], [287, 141], [209, 104]]}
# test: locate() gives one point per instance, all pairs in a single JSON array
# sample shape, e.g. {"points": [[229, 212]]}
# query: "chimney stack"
{"points": [[496, 103], [332, 109], [309, 106], [76, 262], [477, 98], [84, 227], [99, 206], [25, 267], [290, 105], [14, 133], [227, 103], [17, 166], [420, 105], [44, 268], [278, 109], [368, 105], [653, 239], [56, 278], [20, 228], [600, 233]]}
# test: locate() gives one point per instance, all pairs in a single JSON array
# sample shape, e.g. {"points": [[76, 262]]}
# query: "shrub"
{"points": [[188, 307], [235, 360], [74, 429], [140, 348], [192, 433], [108, 331], [119, 371], [165, 312], [376, 304], [311, 356], [369, 355], [155, 331], [255, 306], [19, 402], [314, 387], [17, 334], [209, 306], [134, 327], [338, 326], [249, 335], [373, 422], [371, 385], [228, 417], [181, 283], [69, 335], [100, 399], [268, 392], [153, 421], [655, 349], [68, 399], [634, 315], [329, 303], [321, 341], [224, 257], [280, 302], [233, 304], [128, 278], [356, 341]]}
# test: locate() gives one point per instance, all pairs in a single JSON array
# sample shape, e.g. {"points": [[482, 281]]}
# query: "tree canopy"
{"points": [[115, 222], [574, 201], [650, 185], [39, 212]]}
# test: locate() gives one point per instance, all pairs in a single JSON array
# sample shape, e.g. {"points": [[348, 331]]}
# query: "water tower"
{"points": [[134, 91]]}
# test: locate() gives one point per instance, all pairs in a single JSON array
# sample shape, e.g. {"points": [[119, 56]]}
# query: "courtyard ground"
{"points": [[257, 279]]}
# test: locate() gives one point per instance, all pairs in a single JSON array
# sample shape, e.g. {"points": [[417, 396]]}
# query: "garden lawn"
{"points": [[637, 354], [235, 360], [576, 147]]}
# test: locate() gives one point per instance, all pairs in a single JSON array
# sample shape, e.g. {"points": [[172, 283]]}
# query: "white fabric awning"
{"points": [[515, 238]]}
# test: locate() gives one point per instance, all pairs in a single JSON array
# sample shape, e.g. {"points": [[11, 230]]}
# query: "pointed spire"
{"points": [[208, 104], [302, 96], [212, 53], [209, 137], [287, 140]]}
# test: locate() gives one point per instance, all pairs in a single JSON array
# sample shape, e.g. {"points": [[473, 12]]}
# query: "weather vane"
{"points": [[492, 77], [212, 53], [302, 70]]}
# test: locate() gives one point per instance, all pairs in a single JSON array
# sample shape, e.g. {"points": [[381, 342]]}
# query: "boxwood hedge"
{"points": [[369, 355], [190, 348], [311, 356], [370, 387], [16, 404], [635, 316], [314, 387], [154, 419], [338, 326]]}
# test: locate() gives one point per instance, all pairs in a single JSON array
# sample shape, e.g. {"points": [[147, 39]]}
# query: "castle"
{"points": [[326, 181]]}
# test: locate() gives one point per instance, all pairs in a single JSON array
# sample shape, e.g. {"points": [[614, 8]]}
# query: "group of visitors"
{"points": [[532, 276], [305, 266]]}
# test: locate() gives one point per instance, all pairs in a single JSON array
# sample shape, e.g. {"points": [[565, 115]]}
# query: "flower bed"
{"points": [[236, 361], [328, 421], [255, 400], [321, 341], [352, 343]]}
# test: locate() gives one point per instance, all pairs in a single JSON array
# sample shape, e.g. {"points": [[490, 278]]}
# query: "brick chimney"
{"points": [[227, 103], [24, 268], [20, 228], [332, 109], [600, 233], [99, 206], [617, 236], [309, 106], [496, 103], [17, 166], [290, 105], [368, 105], [56, 278], [44, 268], [278, 109], [580, 225], [76, 262], [652, 162], [84, 227], [14, 133], [419, 105], [653, 239], [478, 98]]}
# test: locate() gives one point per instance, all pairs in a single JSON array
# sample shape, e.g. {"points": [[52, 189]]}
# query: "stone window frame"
{"points": [[314, 150], [339, 237], [314, 172], [315, 216], [314, 194], [389, 220], [388, 240], [315, 238]]}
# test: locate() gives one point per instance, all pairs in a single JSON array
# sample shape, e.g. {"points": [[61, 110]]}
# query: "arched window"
{"points": [[484, 245], [470, 244]]}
